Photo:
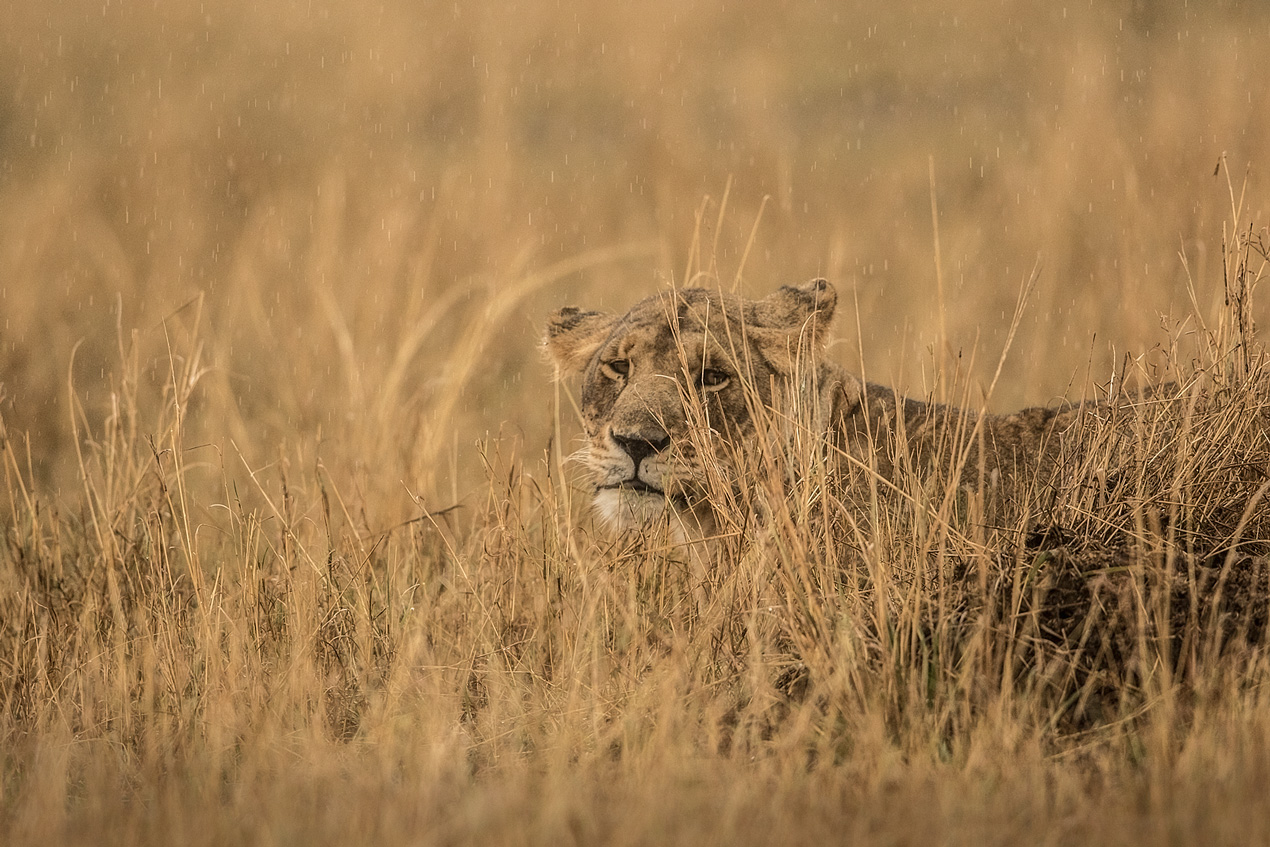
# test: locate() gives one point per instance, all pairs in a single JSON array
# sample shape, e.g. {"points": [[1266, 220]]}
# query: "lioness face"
{"points": [[670, 391]]}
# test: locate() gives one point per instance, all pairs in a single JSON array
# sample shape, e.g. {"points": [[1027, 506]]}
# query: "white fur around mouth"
{"points": [[626, 507]]}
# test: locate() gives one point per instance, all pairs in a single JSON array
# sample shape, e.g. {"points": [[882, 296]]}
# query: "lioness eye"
{"points": [[714, 378], [618, 367]]}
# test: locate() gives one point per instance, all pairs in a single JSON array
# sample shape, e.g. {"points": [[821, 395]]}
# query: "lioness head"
{"points": [[671, 391]]}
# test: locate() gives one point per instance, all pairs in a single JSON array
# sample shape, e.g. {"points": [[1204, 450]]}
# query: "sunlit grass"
{"points": [[291, 551]]}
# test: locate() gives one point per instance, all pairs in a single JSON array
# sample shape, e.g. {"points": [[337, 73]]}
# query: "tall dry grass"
{"points": [[289, 550]]}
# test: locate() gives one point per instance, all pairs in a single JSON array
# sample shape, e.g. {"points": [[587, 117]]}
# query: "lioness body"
{"points": [[985, 447], [695, 361]]}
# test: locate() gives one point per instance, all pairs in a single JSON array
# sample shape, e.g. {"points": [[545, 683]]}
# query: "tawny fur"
{"points": [[697, 371]]}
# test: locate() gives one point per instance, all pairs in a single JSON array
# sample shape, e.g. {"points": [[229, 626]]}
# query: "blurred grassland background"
{"points": [[311, 245], [352, 191]]}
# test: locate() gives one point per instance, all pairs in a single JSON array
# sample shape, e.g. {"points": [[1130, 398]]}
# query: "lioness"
{"points": [[692, 361]]}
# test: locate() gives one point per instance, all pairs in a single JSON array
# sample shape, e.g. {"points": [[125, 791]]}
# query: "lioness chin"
{"points": [[681, 392]]}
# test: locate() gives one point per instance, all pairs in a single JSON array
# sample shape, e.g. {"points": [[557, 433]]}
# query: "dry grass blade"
{"points": [[289, 551]]}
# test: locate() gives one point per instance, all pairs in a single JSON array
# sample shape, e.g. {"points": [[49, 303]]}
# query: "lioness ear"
{"points": [[792, 322], [792, 307], [573, 336]]}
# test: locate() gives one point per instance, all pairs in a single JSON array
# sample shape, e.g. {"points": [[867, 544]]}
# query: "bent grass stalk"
{"points": [[196, 638]]}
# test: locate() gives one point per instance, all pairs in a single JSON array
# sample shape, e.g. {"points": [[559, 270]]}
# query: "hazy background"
{"points": [[358, 214]]}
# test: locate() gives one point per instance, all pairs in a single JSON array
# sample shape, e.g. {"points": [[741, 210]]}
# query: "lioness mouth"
{"points": [[679, 501], [634, 485]]}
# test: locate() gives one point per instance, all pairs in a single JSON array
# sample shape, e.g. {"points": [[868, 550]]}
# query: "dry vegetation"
{"points": [[289, 551]]}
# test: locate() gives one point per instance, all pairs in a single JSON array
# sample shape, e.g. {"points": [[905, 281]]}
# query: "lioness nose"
{"points": [[642, 446]]}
